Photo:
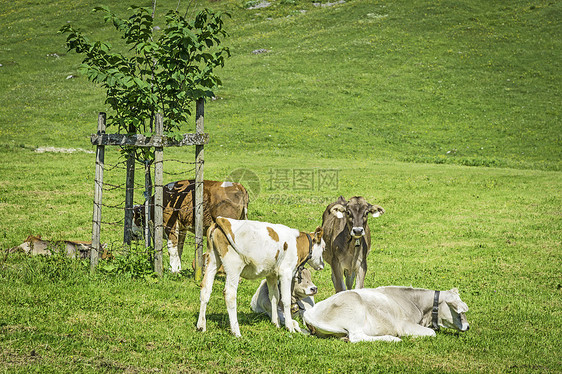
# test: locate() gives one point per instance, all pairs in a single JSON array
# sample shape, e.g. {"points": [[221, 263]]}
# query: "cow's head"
{"points": [[303, 286], [318, 245], [137, 226], [355, 211], [453, 316]]}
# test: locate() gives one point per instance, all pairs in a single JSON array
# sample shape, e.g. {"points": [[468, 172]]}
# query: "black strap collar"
{"points": [[435, 312]]}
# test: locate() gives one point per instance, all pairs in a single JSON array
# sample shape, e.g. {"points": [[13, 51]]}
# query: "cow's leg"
{"points": [[361, 272], [230, 290], [360, 336], [337, 279], [175, 262], [285, 286], [213, 263], [414, 329], [181, 240], [273, 289], [349, 279]]}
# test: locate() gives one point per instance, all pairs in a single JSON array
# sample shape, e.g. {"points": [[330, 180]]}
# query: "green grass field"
{"points": [[446, 113]]}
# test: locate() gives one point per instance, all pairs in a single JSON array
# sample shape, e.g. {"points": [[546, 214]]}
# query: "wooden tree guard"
{"points": [[199, 125], [159, 198], [129, 194], [158, 141], [98, 191]]}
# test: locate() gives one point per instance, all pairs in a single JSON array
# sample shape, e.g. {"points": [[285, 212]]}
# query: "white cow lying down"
{"points": [[302, 296], [385, 313]]}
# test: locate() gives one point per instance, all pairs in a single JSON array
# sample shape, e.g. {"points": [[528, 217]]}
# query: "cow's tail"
{"points": [[210, 244], [226, 233]]}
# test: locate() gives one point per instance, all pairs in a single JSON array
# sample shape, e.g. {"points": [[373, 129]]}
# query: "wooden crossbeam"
{"points": [[139, 140]]}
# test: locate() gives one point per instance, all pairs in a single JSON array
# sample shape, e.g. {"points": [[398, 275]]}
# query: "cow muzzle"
{"points": [[357, 232]]}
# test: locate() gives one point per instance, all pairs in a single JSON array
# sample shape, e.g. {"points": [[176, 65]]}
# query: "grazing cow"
{"points": [[34, 245], [252, 250], [385, 313], [348, 240], [226, 199], [302, 296]]}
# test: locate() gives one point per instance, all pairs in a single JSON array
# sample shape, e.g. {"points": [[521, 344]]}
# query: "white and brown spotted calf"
{"points": [[253, 250], [225, 199]]}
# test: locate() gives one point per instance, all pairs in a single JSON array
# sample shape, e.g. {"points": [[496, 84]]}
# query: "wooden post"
{"points": [[129, 196], [158, 198], [98, 190], [199, 128], [147, 207]]}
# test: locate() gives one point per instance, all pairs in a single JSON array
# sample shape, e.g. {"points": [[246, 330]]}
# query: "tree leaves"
{"points": [[154, 75]]}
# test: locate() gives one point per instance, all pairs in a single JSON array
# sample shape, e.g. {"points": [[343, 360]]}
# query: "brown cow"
{"points": [[348, 240], [226, 199]]}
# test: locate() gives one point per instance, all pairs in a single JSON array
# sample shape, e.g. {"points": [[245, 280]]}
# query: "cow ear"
{"points": [[376, 211], [338, 210], [318, 234]]}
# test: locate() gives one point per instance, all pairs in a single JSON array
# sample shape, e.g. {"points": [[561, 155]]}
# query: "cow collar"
{"points": [[301, 265], [297, 306], [435, 312]]}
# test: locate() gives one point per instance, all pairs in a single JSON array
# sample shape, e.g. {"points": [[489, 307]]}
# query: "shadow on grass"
{"points": [[244, 319]]}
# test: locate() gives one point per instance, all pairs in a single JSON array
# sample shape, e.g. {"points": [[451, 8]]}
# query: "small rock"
{"points": [[263, 4], [324, 5], [258, 51]]}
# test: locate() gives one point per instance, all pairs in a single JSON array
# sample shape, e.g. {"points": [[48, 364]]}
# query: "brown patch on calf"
{"points": [[285, 246], [273, 234], [225, 226], [303, 246], [220, 243]]}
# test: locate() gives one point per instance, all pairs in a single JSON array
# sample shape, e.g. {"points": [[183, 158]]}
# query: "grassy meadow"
{"points": [[446, 113]]}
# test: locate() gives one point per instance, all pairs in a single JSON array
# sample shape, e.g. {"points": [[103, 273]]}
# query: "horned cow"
{"points": [[348, 240]]}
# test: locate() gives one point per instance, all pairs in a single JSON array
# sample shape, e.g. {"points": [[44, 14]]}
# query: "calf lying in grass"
{"points": [[34, 245], [302, 297]]}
